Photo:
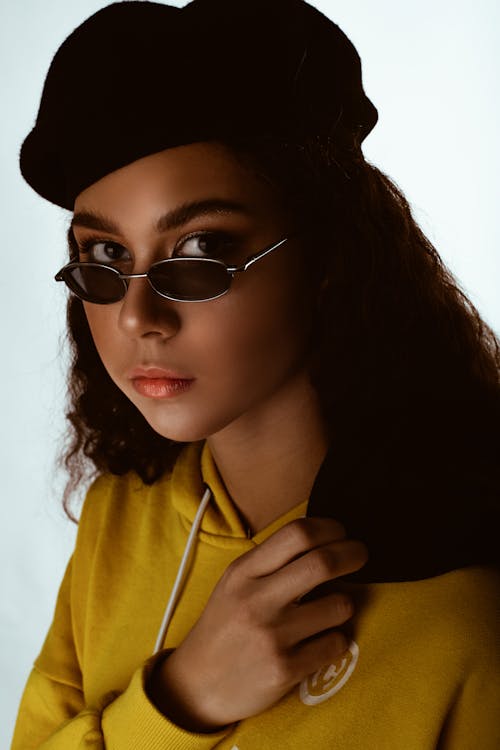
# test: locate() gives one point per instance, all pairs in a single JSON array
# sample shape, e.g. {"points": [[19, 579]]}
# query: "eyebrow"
{"points": [[171, 220]]}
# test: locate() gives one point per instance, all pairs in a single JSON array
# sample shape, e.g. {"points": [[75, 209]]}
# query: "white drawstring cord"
{"points": [[169, 609]]}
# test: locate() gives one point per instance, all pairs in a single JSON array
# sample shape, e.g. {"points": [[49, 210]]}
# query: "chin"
{"points": [[180, 427], [184, 419], [178, 433], [187, 425]]}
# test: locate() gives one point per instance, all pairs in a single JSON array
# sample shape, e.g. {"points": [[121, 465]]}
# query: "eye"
{"points": [[205, 245], [103, 251]]}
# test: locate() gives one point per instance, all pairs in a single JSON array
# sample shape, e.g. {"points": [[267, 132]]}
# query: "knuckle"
{"points": [[233, 569], [268, 643], [244, 611], [279, 673], [228, 577], [231, 579], [299, 532], [321, 562], [248, 612], [254, 605]]}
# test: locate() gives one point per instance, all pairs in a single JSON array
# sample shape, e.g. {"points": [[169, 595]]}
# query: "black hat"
{"points": [[138, 77]]}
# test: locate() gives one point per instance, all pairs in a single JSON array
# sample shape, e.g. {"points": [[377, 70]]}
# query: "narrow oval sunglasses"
{"points": [[178, 279]]}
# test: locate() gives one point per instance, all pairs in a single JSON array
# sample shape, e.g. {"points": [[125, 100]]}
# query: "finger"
{"points": [[289, 542], [308, 657], [304, 620], [312, 568]]}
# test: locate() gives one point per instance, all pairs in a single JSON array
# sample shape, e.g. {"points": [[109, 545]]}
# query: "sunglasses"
{"points": [[178, 279]]}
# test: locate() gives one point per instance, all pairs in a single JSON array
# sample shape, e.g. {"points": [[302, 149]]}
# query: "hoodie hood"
{"points": [[221, 517], [201, 500]]}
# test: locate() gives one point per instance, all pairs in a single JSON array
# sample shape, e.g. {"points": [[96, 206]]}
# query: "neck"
{"points": [[268, 459]]}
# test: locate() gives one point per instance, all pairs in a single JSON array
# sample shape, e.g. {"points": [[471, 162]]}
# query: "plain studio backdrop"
{"points": [[430, 68]]}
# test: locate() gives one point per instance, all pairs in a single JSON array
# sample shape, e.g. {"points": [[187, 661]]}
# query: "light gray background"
{"points": [[431, 68]]}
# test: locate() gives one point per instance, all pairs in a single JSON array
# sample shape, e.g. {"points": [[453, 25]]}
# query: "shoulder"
{"points": [[115, 504], [466, 604], [466, 595], [474, 592], [458, 611], [472, 642], [470, 590], [107, 493]]}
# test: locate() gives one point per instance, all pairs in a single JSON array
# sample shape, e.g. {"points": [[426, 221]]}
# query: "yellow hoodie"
{"points": [[422, 672]]}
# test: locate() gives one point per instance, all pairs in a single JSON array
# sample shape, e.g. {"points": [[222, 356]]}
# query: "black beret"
{"points": [[138, 77]]}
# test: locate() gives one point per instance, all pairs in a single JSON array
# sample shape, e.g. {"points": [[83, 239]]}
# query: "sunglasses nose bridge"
{"points": [[127, 277], [158, 290]]}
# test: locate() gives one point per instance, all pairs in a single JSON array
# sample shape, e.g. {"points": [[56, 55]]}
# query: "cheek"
{"points": [[241, 347], [257, 335], [102, 320]]}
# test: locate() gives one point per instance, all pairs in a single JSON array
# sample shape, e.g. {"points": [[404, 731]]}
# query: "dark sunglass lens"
{"points": [[95, 284], [189, 278]]}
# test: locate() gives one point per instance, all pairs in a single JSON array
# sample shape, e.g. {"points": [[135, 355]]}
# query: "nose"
{"points": [[144, 312]]}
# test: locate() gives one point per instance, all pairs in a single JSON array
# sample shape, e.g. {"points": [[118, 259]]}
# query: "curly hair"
{"points": [[403, 364]]}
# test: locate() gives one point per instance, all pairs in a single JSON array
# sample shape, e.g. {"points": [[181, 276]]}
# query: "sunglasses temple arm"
{"points": [[253, 258]]}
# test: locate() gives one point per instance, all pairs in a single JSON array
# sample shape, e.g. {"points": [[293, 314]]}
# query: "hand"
{"points": [[254, 641]]}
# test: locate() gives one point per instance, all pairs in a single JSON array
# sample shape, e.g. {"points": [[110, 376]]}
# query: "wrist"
{"points": [[163, 690]]}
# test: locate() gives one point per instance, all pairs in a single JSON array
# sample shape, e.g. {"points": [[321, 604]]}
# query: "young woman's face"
{"points": [[242, 347]]}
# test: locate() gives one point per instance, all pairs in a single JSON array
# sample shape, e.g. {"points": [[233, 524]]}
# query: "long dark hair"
{"points": [[396, 341]]}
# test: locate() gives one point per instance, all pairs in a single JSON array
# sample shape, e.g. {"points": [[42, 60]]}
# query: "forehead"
{"points": [[193, 172]]}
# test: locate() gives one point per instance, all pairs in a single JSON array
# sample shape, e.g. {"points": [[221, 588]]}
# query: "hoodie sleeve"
{"points": [[53, 715]]}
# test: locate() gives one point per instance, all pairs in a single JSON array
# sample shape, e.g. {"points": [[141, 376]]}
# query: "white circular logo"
{"points": [[318, 687]]}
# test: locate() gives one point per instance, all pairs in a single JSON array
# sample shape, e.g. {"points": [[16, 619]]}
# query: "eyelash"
{"points": [[85, 245]]}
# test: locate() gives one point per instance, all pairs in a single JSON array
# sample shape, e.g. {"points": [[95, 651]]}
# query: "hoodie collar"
{"points": [[195, 468]]}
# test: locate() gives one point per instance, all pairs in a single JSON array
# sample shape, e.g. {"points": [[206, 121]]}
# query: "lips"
{"points": [[159, 382], [157, 372]]}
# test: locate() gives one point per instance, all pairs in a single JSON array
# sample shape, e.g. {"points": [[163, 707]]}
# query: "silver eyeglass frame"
{"points": [[230, 270]]}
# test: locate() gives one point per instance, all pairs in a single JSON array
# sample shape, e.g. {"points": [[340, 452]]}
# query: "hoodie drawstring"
{"points": [[176, 591]]}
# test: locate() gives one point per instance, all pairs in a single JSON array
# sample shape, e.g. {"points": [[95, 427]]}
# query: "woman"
{"points": [[334, 372]]}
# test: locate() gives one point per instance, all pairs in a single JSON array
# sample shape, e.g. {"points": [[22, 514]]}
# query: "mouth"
{"points": [[159, 382], [161, 387], [157, 373]]}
